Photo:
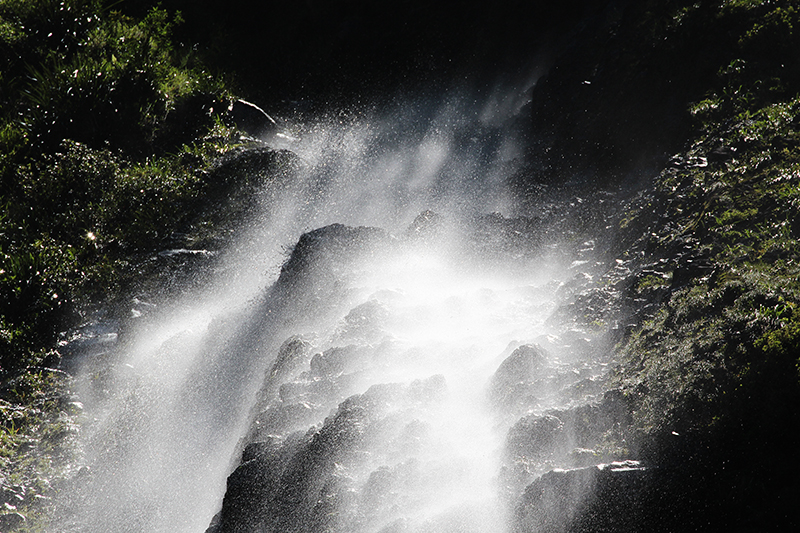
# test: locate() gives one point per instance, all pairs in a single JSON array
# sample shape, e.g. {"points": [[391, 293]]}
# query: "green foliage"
{"points": [[775, 27], [95, 76], [38, 424], [102, 153], [108, 130], [650, 282], [725, 344], [762, 65], [784, 340], [712, 342]]}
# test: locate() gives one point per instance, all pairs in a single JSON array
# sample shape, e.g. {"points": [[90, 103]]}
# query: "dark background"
{"points": [[316, 55], [346, 50], [618, 78]]}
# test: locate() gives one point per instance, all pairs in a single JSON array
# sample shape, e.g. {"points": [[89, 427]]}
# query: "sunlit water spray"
{"points": [[454, 323], [165, 422]]}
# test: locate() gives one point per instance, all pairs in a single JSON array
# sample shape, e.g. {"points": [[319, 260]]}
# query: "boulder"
{"points": [[339, 360], [314, 281], [283, 418], [365, 322], [535, 437], [510, 382], [304, 481], [588, 425], [295, 352], [581, 436], [427, 226], [283, 483], [325, 253]]}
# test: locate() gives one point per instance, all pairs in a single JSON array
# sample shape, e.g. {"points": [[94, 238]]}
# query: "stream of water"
{"points": [[165, 422]]}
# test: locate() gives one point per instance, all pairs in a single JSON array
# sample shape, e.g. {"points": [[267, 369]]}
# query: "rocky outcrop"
{"points": [[305, 482], [323, 255], [369, 462], [584, 435], [605, 497], [514, 378]]}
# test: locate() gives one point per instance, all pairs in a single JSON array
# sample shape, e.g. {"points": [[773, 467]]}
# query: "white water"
{"points": [[165, 423]]}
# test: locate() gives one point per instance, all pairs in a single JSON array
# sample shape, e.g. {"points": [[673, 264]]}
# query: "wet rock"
{"points": [[598, 498], [583, 457], [314, 391], [426, 226], [314, 281], [684, 162], [365, 322], [587, 434], [324, 255], [294, 353], [277, 414], [691, 267], [305, 482], [589, 422], [280, 488], [535, 437], [338, 360], [10, 521], [284, 418], [380, 489], [255, 450], [425, 391], [252, 485], [412, 439], [516, 372]]}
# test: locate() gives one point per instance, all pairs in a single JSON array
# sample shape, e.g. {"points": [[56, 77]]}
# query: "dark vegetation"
{"points": [[110, 141], [709, 348], [111, 134]]}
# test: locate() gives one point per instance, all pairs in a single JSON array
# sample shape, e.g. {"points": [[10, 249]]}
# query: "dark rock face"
{"points": [[323, 254], [585, 435], [628, 497], [314, 277], [293, 354], [304, 482], [536, 437], [597, 498]]}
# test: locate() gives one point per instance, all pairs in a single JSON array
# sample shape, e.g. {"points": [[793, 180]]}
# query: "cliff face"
{"points": [[694, 107], [707, 250]]}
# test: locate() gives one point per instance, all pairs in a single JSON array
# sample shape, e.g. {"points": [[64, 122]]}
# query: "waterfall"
{"points": [[430, 311]]}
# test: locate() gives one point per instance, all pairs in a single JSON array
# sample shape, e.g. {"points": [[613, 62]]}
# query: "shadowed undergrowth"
{"points": [[110, 137]]}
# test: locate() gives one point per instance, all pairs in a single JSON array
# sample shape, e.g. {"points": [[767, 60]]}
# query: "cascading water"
{"points": [[415, 319]]}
